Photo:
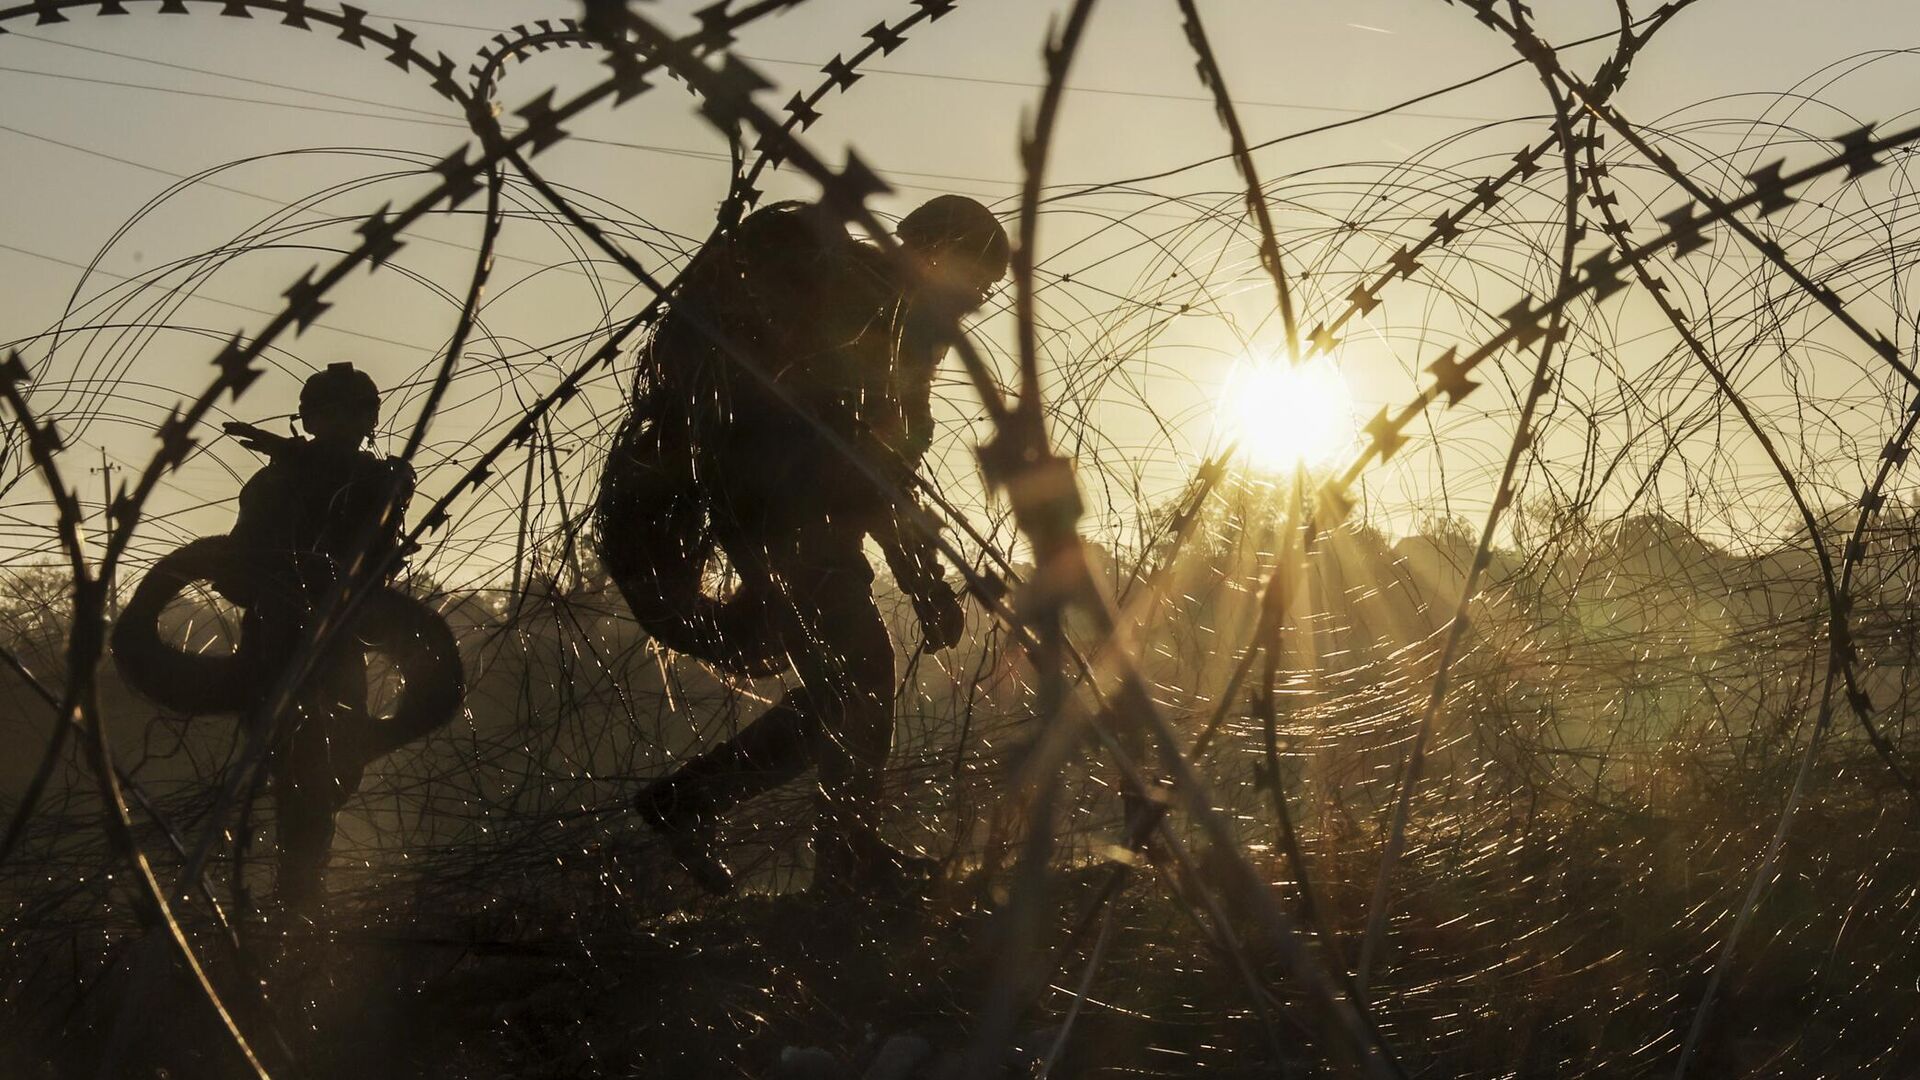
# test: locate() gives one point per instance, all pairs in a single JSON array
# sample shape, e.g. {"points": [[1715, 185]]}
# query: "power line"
{"points": [[651, 148], [706, 155], [1241, 103], [223, 75], [1022, 84], [677, 151], [4, 246], [201, 181], [433, 120], [1088, 189], [439, 120]]}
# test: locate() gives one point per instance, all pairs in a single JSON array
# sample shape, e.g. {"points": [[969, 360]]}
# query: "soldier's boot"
{"points": [[688, 831]]}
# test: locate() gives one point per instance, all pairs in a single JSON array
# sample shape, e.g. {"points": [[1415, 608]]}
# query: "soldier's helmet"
{"points": [[342, 400], [961, 237]]}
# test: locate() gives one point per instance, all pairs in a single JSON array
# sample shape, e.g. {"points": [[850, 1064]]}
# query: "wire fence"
{"points": [[1558, 725]]}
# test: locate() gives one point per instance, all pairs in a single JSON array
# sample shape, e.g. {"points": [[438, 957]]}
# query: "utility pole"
{"points": [[106, 471]]}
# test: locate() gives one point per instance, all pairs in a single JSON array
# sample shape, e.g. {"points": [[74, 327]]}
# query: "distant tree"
{"points": [[1546, 521], [1446, 529], [35, 608]]}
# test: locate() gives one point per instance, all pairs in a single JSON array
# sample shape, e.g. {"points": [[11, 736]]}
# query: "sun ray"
{"points": [[1283, 416]]}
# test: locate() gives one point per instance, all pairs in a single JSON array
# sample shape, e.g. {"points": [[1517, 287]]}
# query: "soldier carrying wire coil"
{"points": [[318, 509], [793, 365]]}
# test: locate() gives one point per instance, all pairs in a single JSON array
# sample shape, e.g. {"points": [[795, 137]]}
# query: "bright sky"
{"points": [[104, 114]]}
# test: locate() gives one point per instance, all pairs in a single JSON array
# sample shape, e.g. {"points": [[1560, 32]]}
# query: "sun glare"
{"points": [[1287, 415]]}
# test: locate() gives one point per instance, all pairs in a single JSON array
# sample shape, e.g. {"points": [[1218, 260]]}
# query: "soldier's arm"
{"points": [[259, 440], [262, 510], [259, 532], [396, 495], [911, 554], [364, 526], [398, 498], [916, 409], [914, 559]]}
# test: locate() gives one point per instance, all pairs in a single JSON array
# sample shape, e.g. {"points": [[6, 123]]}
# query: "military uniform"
{"points": [[304, 519], [846, 353]]}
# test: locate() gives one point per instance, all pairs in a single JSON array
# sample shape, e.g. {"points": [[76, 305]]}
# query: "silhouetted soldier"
{"points": [[786, 345], [322, 513], [318, 509]]}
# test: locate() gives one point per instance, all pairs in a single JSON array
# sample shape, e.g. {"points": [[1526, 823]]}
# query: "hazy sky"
{"points": [[103, 114]]}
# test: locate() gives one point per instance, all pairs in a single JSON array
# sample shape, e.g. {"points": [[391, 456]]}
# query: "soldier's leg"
{"points": [[772, 750], [304, 803], [844, 658], [303, 816], [841, 717], [317, 768], [343, 685]]}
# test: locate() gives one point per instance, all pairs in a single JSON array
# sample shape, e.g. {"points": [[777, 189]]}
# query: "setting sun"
{"points": [[1285, 416]]}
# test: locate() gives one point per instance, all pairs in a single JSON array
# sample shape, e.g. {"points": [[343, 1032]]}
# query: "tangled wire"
{"points": [[1560, 725]]}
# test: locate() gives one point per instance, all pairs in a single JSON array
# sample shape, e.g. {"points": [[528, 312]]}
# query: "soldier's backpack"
{"points": [[753, 328]]}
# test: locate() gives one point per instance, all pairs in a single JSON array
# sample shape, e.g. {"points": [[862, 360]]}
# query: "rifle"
{"points": [[260, 440]]}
